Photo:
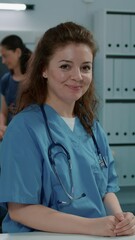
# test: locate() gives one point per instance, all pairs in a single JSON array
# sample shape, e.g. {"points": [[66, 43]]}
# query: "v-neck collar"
{"points": [[56, 120]]}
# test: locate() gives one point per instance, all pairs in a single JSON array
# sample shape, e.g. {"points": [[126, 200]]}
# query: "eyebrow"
{"points": [[63, 60], [68, 61]]}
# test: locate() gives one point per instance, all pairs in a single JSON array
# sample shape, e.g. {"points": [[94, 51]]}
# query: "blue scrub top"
{"points": [[9, 88], [28, 178]]}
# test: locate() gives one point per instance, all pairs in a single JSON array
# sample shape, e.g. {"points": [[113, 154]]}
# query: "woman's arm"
{"points": [[43, 218], [112, 204], [3, 111], [3, 116]]}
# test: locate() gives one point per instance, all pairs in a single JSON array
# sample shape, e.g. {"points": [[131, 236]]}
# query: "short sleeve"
{"points": [[112, 184], [21, 165], [4, 83]]}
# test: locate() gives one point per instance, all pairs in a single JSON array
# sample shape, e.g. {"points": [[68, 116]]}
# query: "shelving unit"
{"points": [[114, 75]]}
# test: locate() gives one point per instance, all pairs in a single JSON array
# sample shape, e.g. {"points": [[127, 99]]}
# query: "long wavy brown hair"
{"points": [[35, 88]]}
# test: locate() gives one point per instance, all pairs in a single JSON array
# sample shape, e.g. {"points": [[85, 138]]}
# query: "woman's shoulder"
{"points": [[5, 78], [27, 116], [4, 82], [98, 129], [96, 124], [24, 125]]}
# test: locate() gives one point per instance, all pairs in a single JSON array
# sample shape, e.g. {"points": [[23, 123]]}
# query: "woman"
{"points": [[60, 163], [15, 56]]}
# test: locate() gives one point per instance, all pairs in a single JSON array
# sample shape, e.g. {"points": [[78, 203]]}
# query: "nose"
{"points": [[76, 74]]}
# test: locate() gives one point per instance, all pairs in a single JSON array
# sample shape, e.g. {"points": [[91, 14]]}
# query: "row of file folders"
{"points": [[120, 33], [120, 78], [119, 122], [124, 162]]}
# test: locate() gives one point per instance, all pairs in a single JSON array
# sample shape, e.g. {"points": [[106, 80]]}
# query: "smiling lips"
{"points": [[74, 87]]}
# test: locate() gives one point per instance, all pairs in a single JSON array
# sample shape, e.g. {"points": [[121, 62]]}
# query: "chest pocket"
{"points": [[100, 172]]}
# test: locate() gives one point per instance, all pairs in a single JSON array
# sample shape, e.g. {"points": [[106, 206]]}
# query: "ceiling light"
{"points": [[16, 6]]}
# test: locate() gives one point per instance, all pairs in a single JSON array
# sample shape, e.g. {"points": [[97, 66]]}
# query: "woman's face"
{"points": [[10, 58], [69, 73]]}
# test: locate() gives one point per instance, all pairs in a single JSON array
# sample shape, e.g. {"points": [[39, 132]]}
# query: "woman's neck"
{"points": [[17, 75], [63, 109]]}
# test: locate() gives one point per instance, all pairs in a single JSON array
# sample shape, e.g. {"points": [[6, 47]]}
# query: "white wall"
{"points": [[31, 24], [51, 12]]}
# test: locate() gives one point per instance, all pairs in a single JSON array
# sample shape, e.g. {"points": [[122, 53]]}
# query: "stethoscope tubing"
{"points": [[102, 160], [53, 144]]}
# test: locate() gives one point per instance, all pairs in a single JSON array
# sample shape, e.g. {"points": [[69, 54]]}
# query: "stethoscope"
{"points": [[64, 151]]}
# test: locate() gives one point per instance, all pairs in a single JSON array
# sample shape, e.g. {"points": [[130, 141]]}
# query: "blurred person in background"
{"points": [[15, 56]]}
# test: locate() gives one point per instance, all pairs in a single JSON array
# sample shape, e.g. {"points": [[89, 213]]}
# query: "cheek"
{"points": [[56, 76], [10, 60], [88, 79], [87, 84]]}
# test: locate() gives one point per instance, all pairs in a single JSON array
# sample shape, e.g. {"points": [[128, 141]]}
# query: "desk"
{"points": [[56, 236]]}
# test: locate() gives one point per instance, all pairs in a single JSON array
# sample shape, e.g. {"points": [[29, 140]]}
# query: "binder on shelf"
{"points": [[126, 172], [132, 34], [117, 122], [114, 33], [113, 123], [107, 123], [126, 91], [117, 78], [132, 77], [125, 37], [124, 110], [109, 78], [132, 122]]}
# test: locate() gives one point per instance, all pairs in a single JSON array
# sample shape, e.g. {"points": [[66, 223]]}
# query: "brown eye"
{"points": [[86, 68], [65, 66]]}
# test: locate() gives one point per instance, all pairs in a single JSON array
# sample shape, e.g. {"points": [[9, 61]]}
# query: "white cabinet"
{"points": [[114, 75]]}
